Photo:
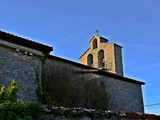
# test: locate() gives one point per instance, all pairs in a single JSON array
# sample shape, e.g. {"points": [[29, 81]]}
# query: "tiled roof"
{"points": [[24, 42]]}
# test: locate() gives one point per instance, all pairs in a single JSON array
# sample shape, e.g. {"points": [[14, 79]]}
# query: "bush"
{"points": [[12, 109], [10, 94], [62, 86]]}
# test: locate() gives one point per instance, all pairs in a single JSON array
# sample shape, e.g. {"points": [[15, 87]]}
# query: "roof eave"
{"points": [[24, 42]]}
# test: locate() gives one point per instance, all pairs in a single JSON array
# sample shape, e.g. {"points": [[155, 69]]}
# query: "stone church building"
{"points": [[102, 61], [103, 55]]}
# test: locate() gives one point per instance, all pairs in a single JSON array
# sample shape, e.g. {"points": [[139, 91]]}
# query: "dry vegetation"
{"points": [[63, 86]]}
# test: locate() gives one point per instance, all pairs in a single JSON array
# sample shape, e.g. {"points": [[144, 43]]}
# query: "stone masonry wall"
{"points": [[19, 66], [118, 60], [123, 95]]}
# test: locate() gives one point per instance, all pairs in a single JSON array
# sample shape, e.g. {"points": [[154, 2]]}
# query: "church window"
{"points": [[101, 61], [90, 60], [95, 43]]}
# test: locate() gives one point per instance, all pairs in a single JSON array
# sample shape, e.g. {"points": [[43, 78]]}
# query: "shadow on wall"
{"points": [[69, 88]]}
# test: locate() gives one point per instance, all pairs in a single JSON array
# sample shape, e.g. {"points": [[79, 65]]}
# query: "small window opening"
{"points": [[90, 60], [101, 61], [95, 44]]}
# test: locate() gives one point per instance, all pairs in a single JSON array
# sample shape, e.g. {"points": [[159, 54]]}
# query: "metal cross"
{"points": [[97, 32]]}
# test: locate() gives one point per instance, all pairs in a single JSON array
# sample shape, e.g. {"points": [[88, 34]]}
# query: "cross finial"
{"points": [[97, 32]]}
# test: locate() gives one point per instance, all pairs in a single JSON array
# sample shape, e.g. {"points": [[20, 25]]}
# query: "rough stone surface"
{"points": [[118, 59], [112, 55], [19, 66], [124, 95]]}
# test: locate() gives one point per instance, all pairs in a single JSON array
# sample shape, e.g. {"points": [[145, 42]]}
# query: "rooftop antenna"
{"points": [[97, 31]]}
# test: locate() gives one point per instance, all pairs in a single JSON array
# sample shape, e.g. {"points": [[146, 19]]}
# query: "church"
{"points": [[102, 61], [103, 55]]}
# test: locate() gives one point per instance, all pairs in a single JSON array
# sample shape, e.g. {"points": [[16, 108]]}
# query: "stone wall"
{"points": [[118, 59], [19, 66], [124, 95], [148, 117]]}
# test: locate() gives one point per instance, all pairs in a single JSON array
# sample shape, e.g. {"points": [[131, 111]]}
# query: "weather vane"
{"points": [[97, 31]]}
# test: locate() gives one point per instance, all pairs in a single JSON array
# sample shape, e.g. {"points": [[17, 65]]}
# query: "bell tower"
{"points": [[103, 55]]}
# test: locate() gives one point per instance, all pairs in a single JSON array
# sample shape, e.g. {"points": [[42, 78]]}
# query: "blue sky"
{"points": [[68, 25]]}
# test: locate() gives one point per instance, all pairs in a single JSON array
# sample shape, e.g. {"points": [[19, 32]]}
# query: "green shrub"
{"points": [[2, 94], [12, 91], [12, 109], [10, 94]]}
